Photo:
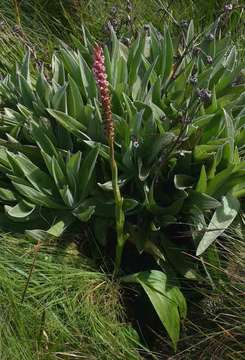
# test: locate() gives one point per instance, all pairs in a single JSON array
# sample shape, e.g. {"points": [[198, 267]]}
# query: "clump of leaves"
{"points": [[178, 111]]}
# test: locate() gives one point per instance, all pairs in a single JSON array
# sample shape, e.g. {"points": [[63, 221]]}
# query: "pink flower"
{"points": [[103, 86]]}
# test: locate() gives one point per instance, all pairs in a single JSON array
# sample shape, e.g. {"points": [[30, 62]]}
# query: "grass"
{"points": [[69, 310], [38, 25], [215, 326], [223, 309]]}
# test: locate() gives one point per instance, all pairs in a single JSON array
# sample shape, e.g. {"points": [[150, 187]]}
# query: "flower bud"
{"points": [[193, 80], [205, 95], [184, 24], [128, 20], [2, 24], [113, 10], [210, 37], [185, 119], [209, 60], [147, 29], [228, 7], [129, 6], [114, 23], [196, 51], [17, 30], [126, 41], [136, 144]]}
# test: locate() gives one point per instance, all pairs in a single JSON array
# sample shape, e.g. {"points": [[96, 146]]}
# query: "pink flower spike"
{"points": [[103, 87]]}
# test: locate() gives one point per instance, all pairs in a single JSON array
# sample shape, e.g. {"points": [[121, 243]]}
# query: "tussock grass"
{"points": [[69, 311]]}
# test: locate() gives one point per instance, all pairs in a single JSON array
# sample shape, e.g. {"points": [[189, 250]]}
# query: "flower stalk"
{"points": [[103, 86]]}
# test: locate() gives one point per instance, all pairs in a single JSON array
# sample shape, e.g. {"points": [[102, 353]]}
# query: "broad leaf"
{"points": [[38, 178], [69, 123], [86, 171], [166, 298], [201, 185], [84, 212], [221, 220], [21, 211], [201, 200]]}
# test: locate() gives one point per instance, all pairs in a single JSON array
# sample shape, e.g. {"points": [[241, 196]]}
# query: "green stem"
{"points": [[17, 12], [119, 214], [118, 259]]}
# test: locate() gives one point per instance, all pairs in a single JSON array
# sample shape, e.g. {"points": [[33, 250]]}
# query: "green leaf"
{"points": [[58, 70], [86, 171], [69, 123], [27, 93], [108, 64], [58, 175], [168, 55], [54, 232], [4, 160], [74, 99], [135, 59], [114, 54], [107, 186], [35, 196], [202, 181], [88, 79], [181, 262], [7, 195], [121, 75], [43, 89], [183, 182], [59, 100], [213, 106], [190, 33], [146, 79], [71, 64], [228, 73], [203, 152], [219, 180], [42, 138], [150, 149], [129, 204], [142, 171], [59, 227], [25, 68], [221, 220], [39, 235], [73, 164], [166, 298], [38, 178], [104, 150], [67, 196], [84, 212], [230, 132], [202, 200], [20, 211], [172, 209]]}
